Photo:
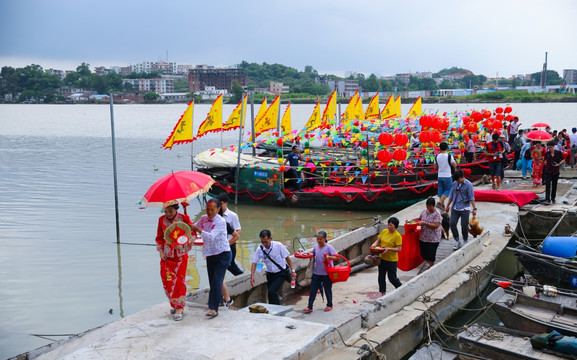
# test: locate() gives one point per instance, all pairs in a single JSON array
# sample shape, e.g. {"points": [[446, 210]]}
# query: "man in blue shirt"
{"points": [[461, 202], [293, 160]]}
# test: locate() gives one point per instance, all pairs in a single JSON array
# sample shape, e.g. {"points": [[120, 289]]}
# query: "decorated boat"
{"points": [[264, 180]]}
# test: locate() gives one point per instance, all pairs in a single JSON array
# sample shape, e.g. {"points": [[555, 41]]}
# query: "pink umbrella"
{"points": [[540, 125], [538, 135]]}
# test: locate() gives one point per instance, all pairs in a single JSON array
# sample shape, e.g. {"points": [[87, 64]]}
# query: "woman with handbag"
{"points": [[322, 253], [277, 261]]}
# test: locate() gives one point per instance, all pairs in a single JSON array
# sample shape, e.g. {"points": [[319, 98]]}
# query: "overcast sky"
{"points": [[384, 37]]}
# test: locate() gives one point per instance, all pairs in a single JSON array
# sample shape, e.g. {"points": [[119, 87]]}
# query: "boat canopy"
{"points": [[216, 158]]}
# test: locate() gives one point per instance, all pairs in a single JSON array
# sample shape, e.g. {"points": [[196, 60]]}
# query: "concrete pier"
{"points": [[361, 320]]}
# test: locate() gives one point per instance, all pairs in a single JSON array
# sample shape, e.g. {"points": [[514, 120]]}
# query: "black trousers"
{"points": [[550, 185], [274, 283], [233, 267]]}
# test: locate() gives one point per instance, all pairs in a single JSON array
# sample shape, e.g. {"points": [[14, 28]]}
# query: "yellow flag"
{"points": [[285, 123], [372, 111], [359, 113], [182, 132], [416, 109], [331, 108], [234, 119], [315, 119], [350, 110], [398, 106], [213, 121], [389, 109], [261, 110], [269, 119]]}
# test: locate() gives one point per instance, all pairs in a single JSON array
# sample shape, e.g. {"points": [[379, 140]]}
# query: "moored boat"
{"points": [[532, 314], [548, 269], [495, 342]]}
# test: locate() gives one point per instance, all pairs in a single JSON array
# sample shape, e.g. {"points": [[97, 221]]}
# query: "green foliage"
{"points": [[453, 70], [150, 96], [236, 91], [553, 78], [181, 85]]}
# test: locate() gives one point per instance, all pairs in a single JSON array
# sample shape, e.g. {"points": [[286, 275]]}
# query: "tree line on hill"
{"points": [[33, 82]]}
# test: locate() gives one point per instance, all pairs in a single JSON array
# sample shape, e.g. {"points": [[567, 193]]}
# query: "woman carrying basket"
{"points": [[322, 253]]}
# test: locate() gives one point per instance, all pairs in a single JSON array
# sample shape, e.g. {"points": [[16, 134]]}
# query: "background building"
{"points": [[221, 78]]}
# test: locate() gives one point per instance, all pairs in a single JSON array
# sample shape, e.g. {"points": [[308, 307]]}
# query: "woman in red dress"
{"points": [[173, 261], [538, 155]]}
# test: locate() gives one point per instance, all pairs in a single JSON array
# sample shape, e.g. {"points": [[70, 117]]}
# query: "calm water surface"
{"points": [[60, 268]]}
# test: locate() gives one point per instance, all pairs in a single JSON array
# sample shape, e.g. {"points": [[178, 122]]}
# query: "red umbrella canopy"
{"points": [[538, 135], [177, 187], [540, 125]]}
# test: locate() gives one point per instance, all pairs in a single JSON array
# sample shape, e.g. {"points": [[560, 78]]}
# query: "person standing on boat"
{"points": [[293, 159], [231, 218], [390, 241], [430, 237], [443, 162], [494, 152], [275, 257], [469, 150], [322, 253], [517, 146], [513, 130], [461, 203], [173, 260], [553, 161], [212, 229]]}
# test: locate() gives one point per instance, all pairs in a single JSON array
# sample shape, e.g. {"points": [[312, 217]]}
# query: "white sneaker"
{"points": [[465, 242], [457, 245]]}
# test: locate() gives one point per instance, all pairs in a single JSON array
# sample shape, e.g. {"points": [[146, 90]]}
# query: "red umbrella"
{"points": [[540, 125], [538, 135], [178, 187]]}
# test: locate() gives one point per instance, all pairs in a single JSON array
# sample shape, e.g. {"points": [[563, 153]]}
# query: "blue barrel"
{"points": [[561, 246]]}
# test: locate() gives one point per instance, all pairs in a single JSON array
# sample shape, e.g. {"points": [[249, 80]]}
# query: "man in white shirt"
{"points": [[275, 257], [513, 130], [232, 219], [573, 143], [443, 162]]}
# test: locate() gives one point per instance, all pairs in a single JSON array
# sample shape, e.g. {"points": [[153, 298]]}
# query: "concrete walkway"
{"points": [[358, 309]]}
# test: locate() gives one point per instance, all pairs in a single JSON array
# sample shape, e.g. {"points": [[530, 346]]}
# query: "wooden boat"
{"points": [[552, 270], [495, 342], [533, 314], [261, 181], [435, 351]]}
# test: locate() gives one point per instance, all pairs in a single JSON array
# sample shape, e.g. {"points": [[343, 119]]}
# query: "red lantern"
{"points": [[364, 144], [282, 168], [389, 190], [365, 170], [472, 127], [425, 136], [499, 110], [425, 121], [279, 141], [373, 176], [400, 155], [486, 114], [476, 116], [330, 143], [499, 117], [466, 119], [436, 137], [385, 139], [401, 139], [508, 109], [384, 156], [509, 117]]}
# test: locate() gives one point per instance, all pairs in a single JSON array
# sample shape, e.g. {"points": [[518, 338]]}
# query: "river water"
{"points": [[61, 271]]}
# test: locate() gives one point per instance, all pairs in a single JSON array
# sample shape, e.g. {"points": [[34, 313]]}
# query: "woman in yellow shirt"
{"points": [[390, 241]]}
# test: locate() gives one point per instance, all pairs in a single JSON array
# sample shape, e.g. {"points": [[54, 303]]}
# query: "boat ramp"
{"points": [[362, 325]]}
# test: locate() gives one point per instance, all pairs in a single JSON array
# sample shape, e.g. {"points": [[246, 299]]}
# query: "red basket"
{"points": [[303, 255], [339, 273]]}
